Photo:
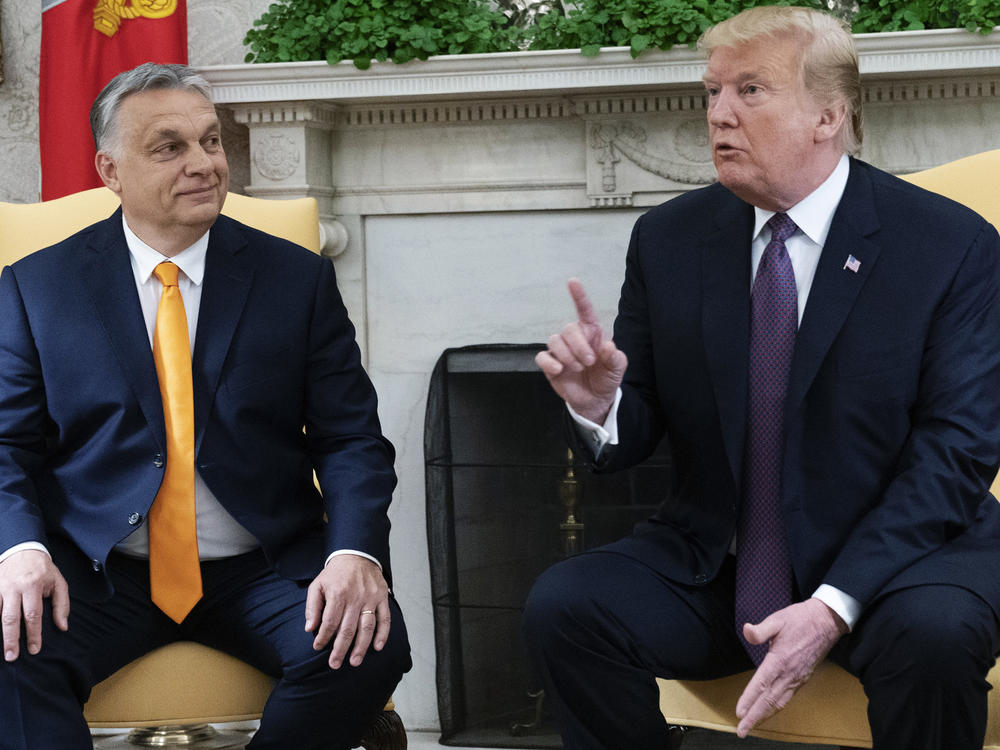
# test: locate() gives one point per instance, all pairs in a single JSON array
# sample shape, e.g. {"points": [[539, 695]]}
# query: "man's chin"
{"points": [[203, 214], [730, 175]]}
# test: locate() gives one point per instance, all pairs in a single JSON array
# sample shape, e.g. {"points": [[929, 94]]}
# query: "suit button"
{"points": [[700, 579], [134, 519], [158, 461], [96, 565]]}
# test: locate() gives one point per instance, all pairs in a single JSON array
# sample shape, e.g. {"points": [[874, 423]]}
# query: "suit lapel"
{"points": [[726, 320], [107, 273], [835, 288], [226, 286]]}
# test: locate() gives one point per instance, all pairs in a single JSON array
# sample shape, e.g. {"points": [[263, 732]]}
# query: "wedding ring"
{"points": [[368, 611]]}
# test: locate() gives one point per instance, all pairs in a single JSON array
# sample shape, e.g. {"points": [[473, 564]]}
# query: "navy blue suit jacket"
{"points": [[893, 411], [279, 391]]}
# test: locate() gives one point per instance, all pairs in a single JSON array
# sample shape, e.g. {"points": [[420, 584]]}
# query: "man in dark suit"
{"points": [[820, 343], [138, 426]]}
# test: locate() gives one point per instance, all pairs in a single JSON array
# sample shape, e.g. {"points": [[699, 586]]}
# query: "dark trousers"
{"points": [[248, 611], [601, 626]]}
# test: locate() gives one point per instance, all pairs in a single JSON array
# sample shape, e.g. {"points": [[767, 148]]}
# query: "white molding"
{"points": [[948, 52]]}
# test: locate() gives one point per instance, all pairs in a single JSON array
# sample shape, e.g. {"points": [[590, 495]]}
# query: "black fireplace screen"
{"points": [[504, 501]]}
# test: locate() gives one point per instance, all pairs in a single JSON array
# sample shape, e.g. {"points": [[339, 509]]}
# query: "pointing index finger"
{"points": [[584, 309]]}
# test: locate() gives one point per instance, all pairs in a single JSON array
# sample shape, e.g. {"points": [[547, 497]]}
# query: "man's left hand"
{"points": [[801, 635], [349, 602]]}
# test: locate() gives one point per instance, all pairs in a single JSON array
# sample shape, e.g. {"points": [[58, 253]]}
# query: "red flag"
{"points": [[86, 43]]}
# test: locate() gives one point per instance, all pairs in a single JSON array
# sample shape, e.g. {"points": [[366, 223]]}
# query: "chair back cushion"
{"points": [[31, 226]]}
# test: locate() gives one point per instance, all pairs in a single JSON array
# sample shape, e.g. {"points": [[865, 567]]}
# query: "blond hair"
{"points": [[829, 57]]}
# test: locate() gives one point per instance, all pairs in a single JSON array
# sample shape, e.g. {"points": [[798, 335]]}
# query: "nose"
{"points": [[198, 161], [721, 112]]}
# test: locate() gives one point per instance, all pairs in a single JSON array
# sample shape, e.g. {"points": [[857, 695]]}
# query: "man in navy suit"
{"points": [[820, 344], [294, 580]]}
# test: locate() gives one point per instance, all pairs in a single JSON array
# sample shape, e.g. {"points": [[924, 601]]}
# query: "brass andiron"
{"points": [[570, 529], [571, 532]]}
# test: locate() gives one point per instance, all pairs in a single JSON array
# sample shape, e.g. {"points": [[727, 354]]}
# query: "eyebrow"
{"points": [[169, 133], [742, 78]]}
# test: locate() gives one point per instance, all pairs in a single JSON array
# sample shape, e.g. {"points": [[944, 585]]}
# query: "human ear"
{"points": [[831, 121], [107, 170]]}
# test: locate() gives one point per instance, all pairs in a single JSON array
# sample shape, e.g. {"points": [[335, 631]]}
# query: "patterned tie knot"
{"points": [[166, 272], [781, 227]]}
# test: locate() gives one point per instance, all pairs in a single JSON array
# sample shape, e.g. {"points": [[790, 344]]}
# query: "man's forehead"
{"points": [[160, 103], [759, 57], [149, 113]]}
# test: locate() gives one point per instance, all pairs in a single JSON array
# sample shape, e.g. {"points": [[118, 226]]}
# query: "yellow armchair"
{"points": [[831, 709], [173, 694]]}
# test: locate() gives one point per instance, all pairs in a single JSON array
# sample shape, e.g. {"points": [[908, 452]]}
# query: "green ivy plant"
{"points": [[911, 15], [402, 30], [637, 24], [366, 30]]}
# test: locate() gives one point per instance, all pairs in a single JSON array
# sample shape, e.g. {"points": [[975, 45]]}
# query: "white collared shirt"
{"points": [[219, 534], [813, 216]]}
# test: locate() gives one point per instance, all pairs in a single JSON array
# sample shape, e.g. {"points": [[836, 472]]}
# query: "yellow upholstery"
{"points": [[831, 708], [973, 181], [182, 683], [31, 226]]}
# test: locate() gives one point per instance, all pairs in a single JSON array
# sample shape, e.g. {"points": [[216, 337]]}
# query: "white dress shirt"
{"points": [[813, 216], [220, 535]]}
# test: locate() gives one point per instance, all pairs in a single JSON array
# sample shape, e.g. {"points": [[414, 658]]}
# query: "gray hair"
{"points": [[146, 77], [829, 57]]}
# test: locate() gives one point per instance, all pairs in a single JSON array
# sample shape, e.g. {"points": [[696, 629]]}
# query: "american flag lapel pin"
{"points": [[852, 264]]}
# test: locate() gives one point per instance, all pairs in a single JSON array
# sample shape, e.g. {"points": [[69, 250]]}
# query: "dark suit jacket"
{"points": [[892, 417], [81, 420]]}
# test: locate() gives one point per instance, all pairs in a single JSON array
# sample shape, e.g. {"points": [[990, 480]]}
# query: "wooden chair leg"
{"points": [[387, 733]]}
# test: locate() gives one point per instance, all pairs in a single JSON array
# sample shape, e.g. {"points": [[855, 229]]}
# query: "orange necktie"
{"points": [[174, 570]]}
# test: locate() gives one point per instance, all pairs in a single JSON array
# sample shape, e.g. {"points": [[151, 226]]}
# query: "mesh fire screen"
{"points": [[505, 501]]}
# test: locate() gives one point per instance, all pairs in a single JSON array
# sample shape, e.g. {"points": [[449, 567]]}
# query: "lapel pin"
{"points": [[852, 264]]}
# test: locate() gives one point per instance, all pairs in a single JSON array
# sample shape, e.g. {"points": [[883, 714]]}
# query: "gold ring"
{"points": [[368, 611]]}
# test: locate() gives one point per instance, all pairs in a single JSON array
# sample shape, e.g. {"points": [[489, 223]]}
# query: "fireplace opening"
{"points": [[505, 500]]}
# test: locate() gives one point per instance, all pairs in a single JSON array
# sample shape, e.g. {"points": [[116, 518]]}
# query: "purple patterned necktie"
{"points": [[763, 568]]}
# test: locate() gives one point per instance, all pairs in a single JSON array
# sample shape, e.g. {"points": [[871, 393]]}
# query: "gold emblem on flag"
{"points": [[109, 14]]}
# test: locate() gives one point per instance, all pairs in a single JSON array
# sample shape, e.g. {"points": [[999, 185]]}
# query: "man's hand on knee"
{"points": [[26, 579], [349, 602], [800, 636]]}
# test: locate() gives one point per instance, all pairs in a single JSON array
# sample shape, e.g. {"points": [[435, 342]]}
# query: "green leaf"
{"points": [[590, 50]]}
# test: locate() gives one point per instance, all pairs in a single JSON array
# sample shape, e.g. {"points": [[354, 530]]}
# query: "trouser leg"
{"points": [[42, 695], [601, 626], [254, 614], [923, 654]]}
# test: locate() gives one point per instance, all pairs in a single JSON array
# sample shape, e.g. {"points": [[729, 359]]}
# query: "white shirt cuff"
{"points": [[22, 547], [843, 604], [597, 436], [351, 552]]}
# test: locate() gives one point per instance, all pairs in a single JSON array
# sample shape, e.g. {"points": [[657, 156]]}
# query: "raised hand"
{"points": [[583, 366]]}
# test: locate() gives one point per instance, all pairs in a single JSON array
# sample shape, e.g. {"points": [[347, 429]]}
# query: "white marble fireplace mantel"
{"points": [[498, 131], [459, 193]]}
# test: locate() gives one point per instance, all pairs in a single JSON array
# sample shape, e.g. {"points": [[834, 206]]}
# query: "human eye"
{"points": [[213, 143], [166, 150], [711, 89]]}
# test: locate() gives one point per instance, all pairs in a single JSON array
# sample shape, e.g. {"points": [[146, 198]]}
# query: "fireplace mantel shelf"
{"points": [[946, 52]]}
